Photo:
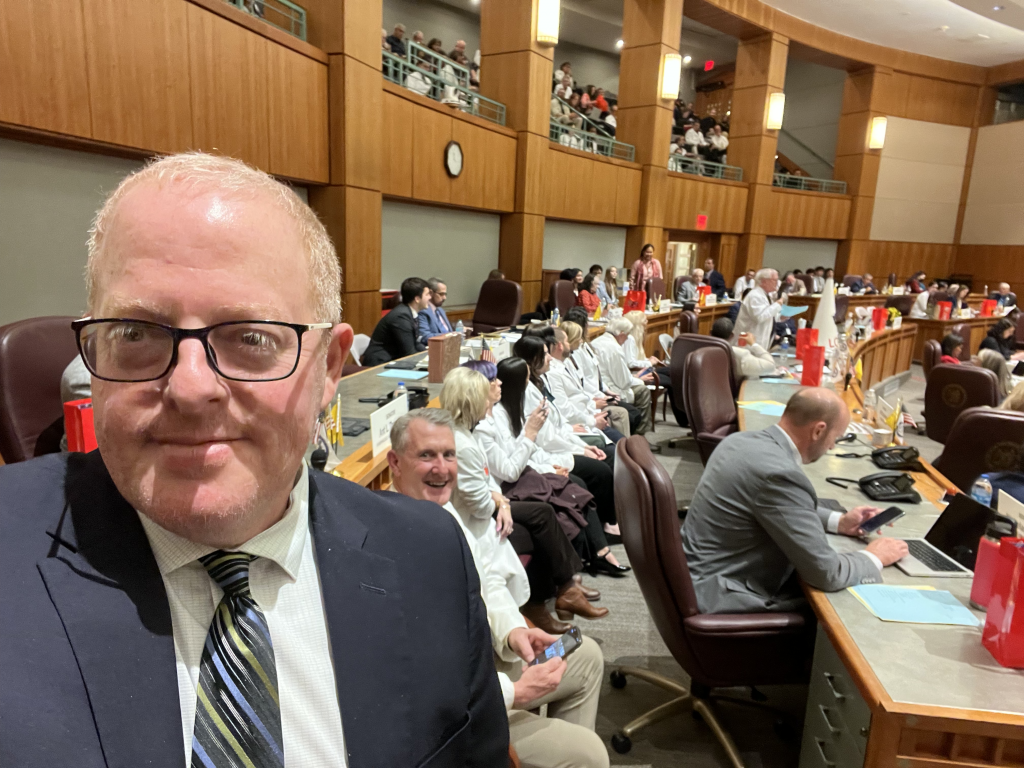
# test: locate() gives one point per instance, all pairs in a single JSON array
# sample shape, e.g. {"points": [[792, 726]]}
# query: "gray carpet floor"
{"points": [[628, 636]]}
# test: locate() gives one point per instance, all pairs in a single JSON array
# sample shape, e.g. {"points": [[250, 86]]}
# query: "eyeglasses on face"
{"points": [[127, 350]]}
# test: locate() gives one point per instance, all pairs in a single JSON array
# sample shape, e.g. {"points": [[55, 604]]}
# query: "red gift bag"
{"points": [[1003, 634], [879, 317], [814, 362], [805, 337], [635, 300], [703, 291], [945, 309], [78, 425], [988, 307]]}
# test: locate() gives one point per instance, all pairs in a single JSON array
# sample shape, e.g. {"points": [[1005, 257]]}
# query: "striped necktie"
{"points": [[238, 712]]}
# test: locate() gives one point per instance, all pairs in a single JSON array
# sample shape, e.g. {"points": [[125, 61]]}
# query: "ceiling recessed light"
{"points": [[997, 7], [943, 28], [687, 59], [983, 36], [619, 43]]}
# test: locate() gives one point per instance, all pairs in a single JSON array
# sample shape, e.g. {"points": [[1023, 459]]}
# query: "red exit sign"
{"points": [[702, 221], [709, 65]]}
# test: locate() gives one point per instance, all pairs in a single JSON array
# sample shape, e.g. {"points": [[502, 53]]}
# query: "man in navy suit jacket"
{"points": [[432, 321], [191, 592]]}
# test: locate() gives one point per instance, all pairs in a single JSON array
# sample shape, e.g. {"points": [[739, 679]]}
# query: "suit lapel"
{"points": [[363, 605], [106, 587]]}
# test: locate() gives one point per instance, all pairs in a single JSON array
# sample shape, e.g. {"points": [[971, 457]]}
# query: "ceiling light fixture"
{"points": [[997, 7], [548, 12], [876, 136], [687, 59], [619, 43], [671, 73], [776, 109]]}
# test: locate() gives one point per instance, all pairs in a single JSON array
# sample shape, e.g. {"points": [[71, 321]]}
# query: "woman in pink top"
{"points": [[644, 268]]}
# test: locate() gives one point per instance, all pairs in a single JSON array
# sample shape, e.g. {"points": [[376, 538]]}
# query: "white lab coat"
{"points": [[920, 308], [751, 362], [565, 381], [508, 455], [586, 362], [742, 283], [614, 369], [757, 316], [556, 436]]}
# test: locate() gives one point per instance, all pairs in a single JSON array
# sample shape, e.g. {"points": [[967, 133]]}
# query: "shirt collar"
{"points": [[415, 313], [789, 441], [282, 542]]}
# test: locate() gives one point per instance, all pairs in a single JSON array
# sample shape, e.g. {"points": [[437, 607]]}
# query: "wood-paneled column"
{"points": [[760, 72], [650, 29], [516, 70], [350, 207], [866, 95]]}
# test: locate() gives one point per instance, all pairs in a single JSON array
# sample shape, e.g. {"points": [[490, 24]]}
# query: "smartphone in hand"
{"points": [[561, 648]]}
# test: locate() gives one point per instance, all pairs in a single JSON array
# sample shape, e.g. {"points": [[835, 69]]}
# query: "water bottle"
{"points": [[555, 316], [460, 329], [785, 350], [401, 391], [870, 403], [981, 492]]}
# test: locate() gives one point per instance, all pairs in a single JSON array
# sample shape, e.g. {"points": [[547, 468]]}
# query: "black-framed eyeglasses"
{"points": [[127, 350]]}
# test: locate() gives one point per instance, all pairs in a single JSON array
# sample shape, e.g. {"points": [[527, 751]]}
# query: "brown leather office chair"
{"points": [[952, 389], [561, 295], [715, 650], [677, 284], [902, 303], [963, 330], [981, 440], [932, 355], [842, 307], [807, 280], [33, 356], [689, 322], [851, 279], [499, 305], [710, 405], [682, 346], [655, 287]]}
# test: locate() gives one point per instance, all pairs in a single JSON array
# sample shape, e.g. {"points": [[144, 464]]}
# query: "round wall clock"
{"points": [[453, 159]]}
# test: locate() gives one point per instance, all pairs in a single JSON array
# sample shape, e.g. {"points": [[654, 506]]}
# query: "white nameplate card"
{"points": [[383, 419]]}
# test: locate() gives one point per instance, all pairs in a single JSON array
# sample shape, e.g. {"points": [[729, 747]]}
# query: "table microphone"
{"points": [[319, 459]]}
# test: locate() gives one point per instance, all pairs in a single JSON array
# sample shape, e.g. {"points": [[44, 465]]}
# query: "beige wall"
{"points": [[919, 181], [568, 244], [995, 200]]}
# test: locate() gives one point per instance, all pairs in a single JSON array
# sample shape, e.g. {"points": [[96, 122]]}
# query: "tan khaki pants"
{"points": [[618, 418], [642, 401]]}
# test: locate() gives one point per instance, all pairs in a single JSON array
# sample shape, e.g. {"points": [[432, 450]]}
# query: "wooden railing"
{"points": [[885, 354]]}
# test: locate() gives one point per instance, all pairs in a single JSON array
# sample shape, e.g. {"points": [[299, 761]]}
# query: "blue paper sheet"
{"points": [[780, 381], [404, 375], [914, 606], [788, 311], [767, 407]]}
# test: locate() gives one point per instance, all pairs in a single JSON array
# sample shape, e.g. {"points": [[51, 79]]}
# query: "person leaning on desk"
{"points": [[754, 525]]}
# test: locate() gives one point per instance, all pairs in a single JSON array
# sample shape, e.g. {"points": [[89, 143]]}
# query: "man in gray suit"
{"points": [[754, 524]]}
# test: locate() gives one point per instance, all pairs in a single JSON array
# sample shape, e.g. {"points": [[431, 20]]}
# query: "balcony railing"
{"points": [[808, 184], [699, 167], [280, 13], [421, 56], [443, 87], [590, 141]]}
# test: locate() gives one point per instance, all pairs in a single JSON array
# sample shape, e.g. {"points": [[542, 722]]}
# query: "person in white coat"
{"points": [[749, 361], [565, 381], [423, 466], [758, 312], [615, 373]]}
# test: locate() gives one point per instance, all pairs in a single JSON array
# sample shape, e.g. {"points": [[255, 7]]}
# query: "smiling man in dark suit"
{"points": [[191, 593], [397, 334]]}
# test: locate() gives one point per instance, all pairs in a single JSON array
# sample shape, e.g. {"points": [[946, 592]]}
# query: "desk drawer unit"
{"points": [[837, 720]]}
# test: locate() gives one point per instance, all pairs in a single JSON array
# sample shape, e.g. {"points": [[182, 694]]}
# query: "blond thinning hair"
{"points": [[199, 172], [465, 395], [573, 333]]}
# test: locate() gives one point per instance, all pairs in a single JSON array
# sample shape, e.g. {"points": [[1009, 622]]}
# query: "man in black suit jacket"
{"points": [[397, 333], [191, 589], [714, 278]]}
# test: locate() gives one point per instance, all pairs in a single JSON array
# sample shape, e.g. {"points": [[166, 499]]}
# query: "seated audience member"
{"points": [[615, 373], [1010, 481], [417, 82], [995, 362], [500, 436], [1000, 338], [424, 467], [714, 278], [749, 361], [567, 383], [563, 115], [743, 283], [960, 298], [563, 89], [709, 121], [819, 278], [790, 285], [587, 296], [200, 504], [600, 101], [952, 347], [574, 276], [397, 333], [433, 321], [395, 42], [755, 529], [611, 118], [923, 300], [1015, 400], [458, 51], [719, 145], [688, 291], [633, 349], [495, 274], [559, 75], [611, 288], [830, 274], [916, 283], [865, 285], [758, 313], [644, 268], [384, 44], [1002, 296], [621, 416], [695, 142], [677, 147], [734, 308]]}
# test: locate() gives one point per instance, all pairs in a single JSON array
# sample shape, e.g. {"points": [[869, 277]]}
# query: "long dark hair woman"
{"points": [[587, 297], [592, 543], [574, 276], [1000, 338]]}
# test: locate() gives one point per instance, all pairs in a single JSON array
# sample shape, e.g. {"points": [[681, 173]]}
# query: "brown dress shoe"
{"points": [[590, 594], [572, 601], [541, 619]]}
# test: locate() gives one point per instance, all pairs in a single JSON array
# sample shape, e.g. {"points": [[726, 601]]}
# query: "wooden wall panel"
{"points": [[396, 162], [627, 196], [578, 186], [687, 196], [139, 73], [935, 101], [880, 257], [298, 116], [230, 113], [431, 132], [991, 265], [43, 67], [488, 175], [789, 213]]}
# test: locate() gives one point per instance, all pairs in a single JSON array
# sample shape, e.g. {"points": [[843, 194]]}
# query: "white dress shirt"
{"points": [[751, 362], [614, 368], [742, 283], [286, 585], [694, 138], [757, 316]]}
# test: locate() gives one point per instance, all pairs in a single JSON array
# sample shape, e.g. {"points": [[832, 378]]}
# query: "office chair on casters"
{"points": [[715, 650]]}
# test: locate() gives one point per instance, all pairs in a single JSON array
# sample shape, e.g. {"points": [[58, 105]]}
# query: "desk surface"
{"points": [[916, 664]]}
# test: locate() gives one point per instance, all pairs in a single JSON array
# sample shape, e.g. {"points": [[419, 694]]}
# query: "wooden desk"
{"points": [[937, 330], [898, 695], [885, 354], [707, 316]]}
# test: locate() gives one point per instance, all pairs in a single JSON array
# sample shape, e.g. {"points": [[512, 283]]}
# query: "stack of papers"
{"points": [[914, 605]]}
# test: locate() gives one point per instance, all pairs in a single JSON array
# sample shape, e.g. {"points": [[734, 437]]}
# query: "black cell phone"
{"points": [[884, 517], [1018, 370], [561, 648]]}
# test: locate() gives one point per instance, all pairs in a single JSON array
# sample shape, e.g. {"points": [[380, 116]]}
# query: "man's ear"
{"points": [[337, 354], [393, 464]]}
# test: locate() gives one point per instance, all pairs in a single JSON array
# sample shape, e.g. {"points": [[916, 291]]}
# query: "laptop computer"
{"points": [[950, 547]]}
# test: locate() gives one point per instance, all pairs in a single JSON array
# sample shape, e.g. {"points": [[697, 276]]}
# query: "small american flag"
{"points": [[908, 420], [486, 353]]}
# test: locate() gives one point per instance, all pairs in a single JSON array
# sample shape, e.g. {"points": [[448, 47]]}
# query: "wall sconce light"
{"points": [[548, 12], [876, 137], [776, 109], [671, 72]]}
